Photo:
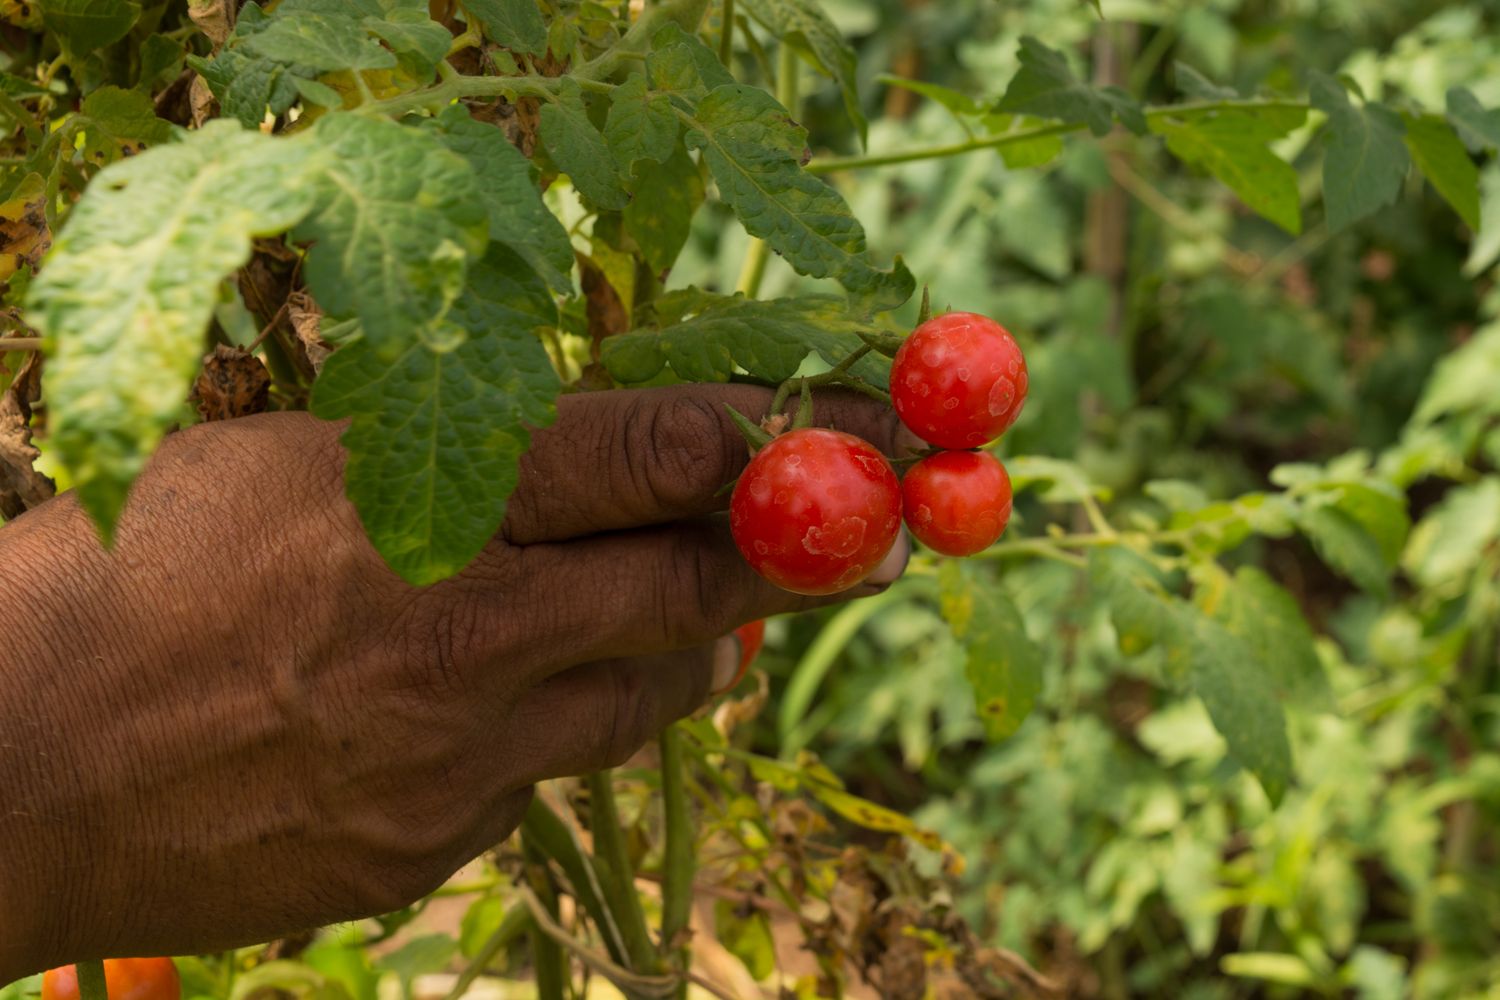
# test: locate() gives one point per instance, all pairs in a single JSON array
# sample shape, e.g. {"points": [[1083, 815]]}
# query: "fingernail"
{"points": [[907, 443], [727, 654], [894, 563]]}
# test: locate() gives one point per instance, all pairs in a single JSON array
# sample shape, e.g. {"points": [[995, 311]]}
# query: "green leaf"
{"points": [[959, 103], [1366, 158], [320, 42], [1234, 148], [1046, 87], [508, 188], [1445, 163], [1464, 380], [112, 116], [398, 217], [1238, 694], [1478, 127], [418, 956], [804, 26], [85, 25], [640, 126], [681, 65], [1379, 509], [746, 936], [420, 43], [1267, 619], [1451, 539], [1144, 614], [1024, 153], [578, 148], [1003, 665], [436, 436], [1195, 85], [747, 140], [515, 24], [660, 215], [132, 280], [248, 85], [707, 338], [1346, 546]]}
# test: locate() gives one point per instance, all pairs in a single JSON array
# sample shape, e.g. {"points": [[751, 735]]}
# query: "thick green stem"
{"points": [[612, 857], [91, 984], [726, 34], [837, 163], [679, 855], [551, 963], [545, 832]]}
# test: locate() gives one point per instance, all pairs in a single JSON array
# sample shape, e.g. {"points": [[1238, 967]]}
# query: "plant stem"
{"points": [[549, 961], [837, 163], [616, 872], [545, 831], [679, 854], [726, 34], [686, 14], [511, 925], [21, 344], [91, 984]]}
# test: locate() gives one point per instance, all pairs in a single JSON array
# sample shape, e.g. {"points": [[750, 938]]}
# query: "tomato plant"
{"points": [[816, 511]]}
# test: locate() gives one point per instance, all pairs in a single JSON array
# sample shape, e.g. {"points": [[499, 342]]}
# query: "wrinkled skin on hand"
{"points": [[239, 723]]}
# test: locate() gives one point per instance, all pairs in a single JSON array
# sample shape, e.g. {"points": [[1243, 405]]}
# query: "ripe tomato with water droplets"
{"points": [[957, 502], [816, 511], [126, 978], [959, 380]]}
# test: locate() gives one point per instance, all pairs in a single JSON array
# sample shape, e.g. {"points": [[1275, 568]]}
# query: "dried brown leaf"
{"points": [[24, 234], [233, 383], [21, 485], [215, 18], [307, 322]]}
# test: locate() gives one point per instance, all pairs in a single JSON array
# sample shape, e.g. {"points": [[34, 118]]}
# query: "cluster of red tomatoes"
{"points": [[817, 510]]}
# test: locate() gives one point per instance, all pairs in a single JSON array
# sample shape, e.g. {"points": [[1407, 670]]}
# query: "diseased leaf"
{"points": [[706, 338], [508, 188], [515, 24], [132, 280], [803, 25], [640, 126], [1478, 127], [747, 140], [113, 117], [660, 215], [398, 217], [22, 486], [1445, 163], [233, 383], [1046, 87], [436, 436], [1239, 696], [85, 25], [579, 150], [1002, 663], [1235, 149], [1366, 158]]}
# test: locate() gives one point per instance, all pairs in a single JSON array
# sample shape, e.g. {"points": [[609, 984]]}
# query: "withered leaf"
{"points": [[233, 383], [24, 234], [307, 323], [215, 18], [21, 485]]}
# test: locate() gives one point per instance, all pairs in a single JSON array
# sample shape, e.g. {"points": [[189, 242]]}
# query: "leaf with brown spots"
{"points": [[24, 234], [21, 485], [233, 383]]}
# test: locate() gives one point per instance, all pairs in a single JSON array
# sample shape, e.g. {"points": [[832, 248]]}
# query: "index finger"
{"points": [[628, 458]]}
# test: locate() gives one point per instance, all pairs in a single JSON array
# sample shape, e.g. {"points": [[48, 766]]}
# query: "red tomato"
{"points": [[957, 502], [959, 380], [127, 979], [752, 637], [816, 511]]}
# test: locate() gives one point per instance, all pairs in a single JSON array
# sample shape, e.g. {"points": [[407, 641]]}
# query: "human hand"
{"points": [[239, 722]]}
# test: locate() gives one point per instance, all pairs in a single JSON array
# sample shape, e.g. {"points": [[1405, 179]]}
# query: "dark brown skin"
{"points": [[240, 723]]}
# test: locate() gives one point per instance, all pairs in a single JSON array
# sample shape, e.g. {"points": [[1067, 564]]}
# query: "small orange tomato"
{"points": [[752, 637], [127, 979]]}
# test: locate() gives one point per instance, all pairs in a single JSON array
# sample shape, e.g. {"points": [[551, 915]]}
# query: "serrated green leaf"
{"points": [[508, 187], [681, 65], [747, 138], [1024, 153], [1143, 613], [640, 125], [398, 217], [1366, 158], [1478, 127], [128, 289], [1445, 163], [803, 25], [1451, 539], [707, 338], [85, 25], [246, 85], [515, 24], [161, 59], [1002, 664], [578, 148], [1346, 546], [420, 43], [1235, 149], [436, 436], [317, 93], [112, 116], [321, 42], [1046, 87], [1267, 619], [660, 215], [1238, 694], [959, 103]]}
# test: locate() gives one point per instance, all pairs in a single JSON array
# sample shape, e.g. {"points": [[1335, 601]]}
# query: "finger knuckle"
{"points": [[674, 444], [629, 716]]}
